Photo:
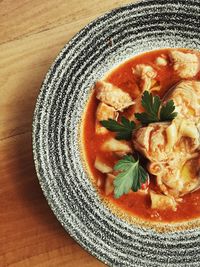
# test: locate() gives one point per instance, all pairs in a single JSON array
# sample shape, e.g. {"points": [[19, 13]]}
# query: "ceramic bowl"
{"points": [[100, 46]]}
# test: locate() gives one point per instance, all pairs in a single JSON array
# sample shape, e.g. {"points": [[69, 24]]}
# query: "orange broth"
{"points": [[136, 204]]}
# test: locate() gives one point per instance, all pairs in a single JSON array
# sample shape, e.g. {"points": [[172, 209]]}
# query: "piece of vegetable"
{"points": [[116, 146], [109, 187], [132, 175], [123, 130], [155, 111], [104, 112], [101, 166], [162, 202]]}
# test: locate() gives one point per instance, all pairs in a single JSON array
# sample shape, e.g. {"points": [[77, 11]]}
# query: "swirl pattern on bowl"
{"points": [[100, 46]]}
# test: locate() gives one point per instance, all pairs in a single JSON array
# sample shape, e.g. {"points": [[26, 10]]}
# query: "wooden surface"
{"points": [[31, 35]]}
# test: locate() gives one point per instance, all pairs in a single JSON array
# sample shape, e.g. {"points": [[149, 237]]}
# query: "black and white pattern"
{"points": [[100, 46]]}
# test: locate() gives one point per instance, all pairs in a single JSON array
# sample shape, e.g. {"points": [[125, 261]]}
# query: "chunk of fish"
{"points": [[174, 177], [183, 134], [143, 71], [186, 64], [161, 61], [113, 145], [109, 187], [167, 158], [151, 141], [102, 166], [189, 173], [104, 112], [113, 95], [186, 97], [147, 74], [162, 202]]}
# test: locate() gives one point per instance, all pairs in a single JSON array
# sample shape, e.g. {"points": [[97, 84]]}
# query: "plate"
{"points": [[100, 46]]}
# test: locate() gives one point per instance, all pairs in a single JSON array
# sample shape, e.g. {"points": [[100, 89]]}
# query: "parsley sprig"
{"points": [[123, 130], [155, 110], [167, 111], [132, 175]]}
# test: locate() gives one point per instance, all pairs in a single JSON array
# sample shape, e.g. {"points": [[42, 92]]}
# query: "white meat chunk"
{"points": [[183, 135], [161, 61], [143, 71], [162, 202], [150, 141], [168, 146], [112, 95], [186, 64], [109, 187], [104, 112], [147, 74], [102, 166], [189, 172], [114, 145], [99, 182], [186, 97]]}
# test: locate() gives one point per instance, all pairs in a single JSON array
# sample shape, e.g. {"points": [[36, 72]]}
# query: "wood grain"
{"points": [[31, 35]]}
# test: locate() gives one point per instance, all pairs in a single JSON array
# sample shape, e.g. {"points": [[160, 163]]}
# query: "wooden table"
{"points": [[31, 35]]}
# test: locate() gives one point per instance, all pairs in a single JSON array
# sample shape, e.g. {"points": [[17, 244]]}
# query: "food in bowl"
{"points": [[141, 132]]}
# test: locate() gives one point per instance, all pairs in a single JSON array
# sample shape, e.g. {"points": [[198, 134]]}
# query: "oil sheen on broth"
{"points": [[170, 150]]}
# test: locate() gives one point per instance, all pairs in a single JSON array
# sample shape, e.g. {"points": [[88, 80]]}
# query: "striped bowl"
{"points": [[100, 46]]}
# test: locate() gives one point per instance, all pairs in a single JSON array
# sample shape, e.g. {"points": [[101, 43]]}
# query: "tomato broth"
{"points": [[134, 203]]}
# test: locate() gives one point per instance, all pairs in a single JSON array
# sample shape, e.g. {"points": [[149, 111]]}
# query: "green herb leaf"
{"points": [[151, 104], [145, 118], [131, 176], [154, 110], [167, 111], [123, 130]]}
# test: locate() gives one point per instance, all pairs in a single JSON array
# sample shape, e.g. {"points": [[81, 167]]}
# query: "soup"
{"points": [[141, 134]]}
